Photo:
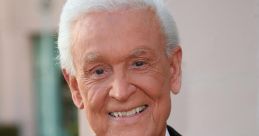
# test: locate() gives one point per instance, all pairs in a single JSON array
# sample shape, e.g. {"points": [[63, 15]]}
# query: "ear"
{"points": [[73, 86], [175, 69]]}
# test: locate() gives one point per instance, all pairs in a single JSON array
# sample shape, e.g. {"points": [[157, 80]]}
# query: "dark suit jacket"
{"points": [[172, 132]]}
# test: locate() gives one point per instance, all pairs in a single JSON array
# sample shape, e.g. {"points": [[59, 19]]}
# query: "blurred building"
{"points": [[219, 95], [34, 100]]}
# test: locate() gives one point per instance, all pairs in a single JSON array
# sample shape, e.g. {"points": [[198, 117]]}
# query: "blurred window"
{"points": [[56, 114]]}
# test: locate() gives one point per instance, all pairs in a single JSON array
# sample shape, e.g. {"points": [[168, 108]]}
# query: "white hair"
{"points": [[74, 8]]}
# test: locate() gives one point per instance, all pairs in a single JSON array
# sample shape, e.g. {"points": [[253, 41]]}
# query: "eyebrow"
{"points": [[91, 57], [140, 52]]}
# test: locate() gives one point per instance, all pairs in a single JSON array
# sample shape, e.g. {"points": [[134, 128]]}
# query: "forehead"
{"points": [[119, 30]]}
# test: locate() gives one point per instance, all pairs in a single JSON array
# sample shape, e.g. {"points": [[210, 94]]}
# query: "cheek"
{"points": [[94, 95], [156, 87], [95, 102], [154, 83]]}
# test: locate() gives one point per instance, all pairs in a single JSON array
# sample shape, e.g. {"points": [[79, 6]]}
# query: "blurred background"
{"points": [[220, 88]]}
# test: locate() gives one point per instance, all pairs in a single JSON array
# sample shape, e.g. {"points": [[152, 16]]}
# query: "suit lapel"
{"points": [[172, 132]]}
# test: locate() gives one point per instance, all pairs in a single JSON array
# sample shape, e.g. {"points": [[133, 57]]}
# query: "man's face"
{"points": [[123, 75]]}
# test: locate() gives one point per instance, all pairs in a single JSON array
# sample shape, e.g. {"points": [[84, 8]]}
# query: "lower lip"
{"points": [[129, 119]]}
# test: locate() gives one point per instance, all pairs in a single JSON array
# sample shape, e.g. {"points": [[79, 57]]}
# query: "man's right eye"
{"points": [[99, 71]]}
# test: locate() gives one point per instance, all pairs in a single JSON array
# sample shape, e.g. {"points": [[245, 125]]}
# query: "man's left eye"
{"points": [[139, 63]]}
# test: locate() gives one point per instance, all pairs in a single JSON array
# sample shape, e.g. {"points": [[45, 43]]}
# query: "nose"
{"points": [[121, 89]]}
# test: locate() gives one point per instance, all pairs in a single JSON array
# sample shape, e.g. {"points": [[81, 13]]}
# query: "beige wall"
{"points": [[220, 44]]}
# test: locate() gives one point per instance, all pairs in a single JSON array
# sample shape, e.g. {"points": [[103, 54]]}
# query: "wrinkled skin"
{"points": [[121, 64]]}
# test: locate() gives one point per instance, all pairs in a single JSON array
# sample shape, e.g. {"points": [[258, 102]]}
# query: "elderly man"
{"points": [[121, 59]]}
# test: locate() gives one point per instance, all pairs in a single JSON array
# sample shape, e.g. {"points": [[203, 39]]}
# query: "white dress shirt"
{"points": [[167, 133]]}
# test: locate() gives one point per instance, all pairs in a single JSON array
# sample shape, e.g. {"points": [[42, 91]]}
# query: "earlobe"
{"points": [[176, 85], [78, 101], [175, 69], [73, 86]]}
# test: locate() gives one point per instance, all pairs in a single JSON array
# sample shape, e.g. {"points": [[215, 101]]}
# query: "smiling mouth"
{"points": [[129, 113]]}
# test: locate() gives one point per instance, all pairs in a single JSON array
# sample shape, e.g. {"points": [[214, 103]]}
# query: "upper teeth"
{"points": [[128, 113]]}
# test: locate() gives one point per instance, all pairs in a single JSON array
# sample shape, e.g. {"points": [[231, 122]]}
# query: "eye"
{"points": [[99, 71], [138, 63]]}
